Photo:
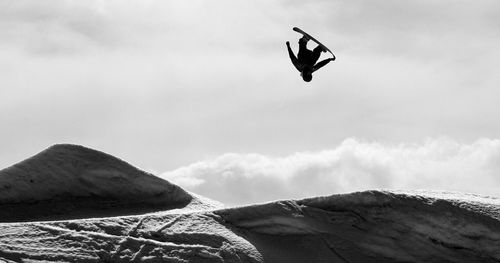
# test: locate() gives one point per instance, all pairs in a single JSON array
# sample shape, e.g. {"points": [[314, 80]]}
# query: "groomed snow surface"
{"points": [[74, 204]]}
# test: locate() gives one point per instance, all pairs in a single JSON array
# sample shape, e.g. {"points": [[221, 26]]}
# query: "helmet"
{"points": [[307, 76]]}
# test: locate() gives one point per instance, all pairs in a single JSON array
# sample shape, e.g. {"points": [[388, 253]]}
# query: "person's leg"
{"points": [[316, 53]]}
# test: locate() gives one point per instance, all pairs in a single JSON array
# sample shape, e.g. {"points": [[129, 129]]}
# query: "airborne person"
{"points": [[305, 62]]}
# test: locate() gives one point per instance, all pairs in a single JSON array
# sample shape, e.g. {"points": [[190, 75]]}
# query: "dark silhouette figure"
{"points": [[305, 62]]}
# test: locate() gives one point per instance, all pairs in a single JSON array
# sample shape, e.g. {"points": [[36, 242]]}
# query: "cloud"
{"points": [[439, 164], [58, 27], [69, 27]]}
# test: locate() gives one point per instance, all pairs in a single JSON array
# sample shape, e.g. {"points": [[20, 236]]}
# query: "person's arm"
{"points": [[292, 55], [322, 64]]}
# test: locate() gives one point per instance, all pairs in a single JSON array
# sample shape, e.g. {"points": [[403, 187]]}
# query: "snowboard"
{"points": [[298, 30]]}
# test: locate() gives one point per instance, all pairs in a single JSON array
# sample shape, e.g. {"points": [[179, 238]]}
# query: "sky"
{"points": [[174, 87]]}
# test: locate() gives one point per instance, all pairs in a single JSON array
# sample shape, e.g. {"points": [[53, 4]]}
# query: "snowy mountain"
{"points": [[372, 226]]}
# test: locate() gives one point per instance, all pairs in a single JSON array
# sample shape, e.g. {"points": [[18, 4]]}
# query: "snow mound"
{"points": [[374, 226], [371, 226], [70, 181]]}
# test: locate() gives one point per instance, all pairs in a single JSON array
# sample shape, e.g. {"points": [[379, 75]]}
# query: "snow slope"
{"points": [[371, 226], [70, 181], [375, 226]]}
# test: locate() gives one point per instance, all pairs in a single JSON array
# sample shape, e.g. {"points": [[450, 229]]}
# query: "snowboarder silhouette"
{"points": [[305, 62]]}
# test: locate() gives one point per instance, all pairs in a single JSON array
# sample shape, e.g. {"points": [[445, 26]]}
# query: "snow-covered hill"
{"points": [[70, 181], [374, 226], [371, 226]]}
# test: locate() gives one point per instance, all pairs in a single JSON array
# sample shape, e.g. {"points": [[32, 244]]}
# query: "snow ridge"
{"points": [[371, 226], [378, 226]]}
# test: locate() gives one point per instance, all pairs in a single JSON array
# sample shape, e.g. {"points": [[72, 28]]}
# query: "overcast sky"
{"points": [[172, 85]]}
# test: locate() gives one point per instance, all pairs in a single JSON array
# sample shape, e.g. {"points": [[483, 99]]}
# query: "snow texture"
{"points": [[371, 226]]}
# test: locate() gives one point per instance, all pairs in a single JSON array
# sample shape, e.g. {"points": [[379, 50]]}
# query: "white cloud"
{"points": [[440, 164], [56, 27], [75, 27]]}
